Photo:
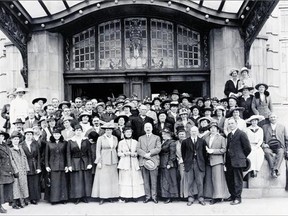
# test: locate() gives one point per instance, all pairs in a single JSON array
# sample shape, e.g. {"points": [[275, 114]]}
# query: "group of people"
{"points": [[171, 147]]}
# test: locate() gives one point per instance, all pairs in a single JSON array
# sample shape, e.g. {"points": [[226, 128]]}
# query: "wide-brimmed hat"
{"points": [[232, 97], [232, 70], [207, 109], [215, 124], [56, 130], [195, 107], [183, 111], [220, 107], [202, 119], [108, 125], [156, 98], [36, 100], [93, 135], [28, 130], [150, 164], [121, 115], [230, 113], [6, 135], [255, 117], [147, 101], [215, 99], [245, 87], [174, 103], [248, 165], [18, 121], [20, 89], [180, 128], [259, 84], [244, 69], [84, 114], [15, 134], [64, 103], [175, 91], [224, 100], [129, 104], [165, 102], [185, 95], [118, 102], [166, 130]]}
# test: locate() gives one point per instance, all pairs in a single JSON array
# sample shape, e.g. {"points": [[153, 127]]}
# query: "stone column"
{"points": [[226, 52], [45, 65]]}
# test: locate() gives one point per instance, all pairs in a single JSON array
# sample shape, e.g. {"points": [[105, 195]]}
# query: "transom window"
{"points": [[136, 43]]}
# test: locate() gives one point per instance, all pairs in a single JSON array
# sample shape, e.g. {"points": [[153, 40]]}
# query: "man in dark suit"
{"points": [[148, 147], [274, 130], [138, 122], [231, 86], [194, 159], [31, 120], [238, 148]]}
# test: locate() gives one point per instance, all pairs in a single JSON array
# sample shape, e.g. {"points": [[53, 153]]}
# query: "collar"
{"points": [[233, 131]]}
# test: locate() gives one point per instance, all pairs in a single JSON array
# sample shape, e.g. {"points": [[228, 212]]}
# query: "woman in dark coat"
{"points": [[56, 166], [168, 167], [6, 172], [32, 152], [245, 101], [79, 161], [93, 137]]}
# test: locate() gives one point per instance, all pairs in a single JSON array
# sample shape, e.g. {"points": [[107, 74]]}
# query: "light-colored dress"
{"points": [[106, 184], [256, 156], [131, 183]]}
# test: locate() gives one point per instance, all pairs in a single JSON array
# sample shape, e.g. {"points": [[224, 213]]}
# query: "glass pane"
{"points": [[188, 48], [86, 42], [136, 43], [162, 44], [110, 42]]}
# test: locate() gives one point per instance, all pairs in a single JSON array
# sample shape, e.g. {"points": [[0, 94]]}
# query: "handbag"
{"points": [[274, 144]]}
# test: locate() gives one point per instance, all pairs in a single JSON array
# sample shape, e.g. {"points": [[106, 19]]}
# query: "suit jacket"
{"points": [[219, 146], [79, 158], [188, 149], [157, 128], [5, 114], [106, 154], [150, 145], [6, 171], [168, 154], [33, 156], [137, 124], [28, 124], [238, 148], [281, 134], [55, 156], [230, 88]]}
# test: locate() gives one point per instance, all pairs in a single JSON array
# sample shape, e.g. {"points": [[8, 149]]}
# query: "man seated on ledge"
{"points": [[275, 144]]}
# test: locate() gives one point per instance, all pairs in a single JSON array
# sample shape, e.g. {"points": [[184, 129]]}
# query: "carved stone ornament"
{"points": [[12, 29], [205, 52]]}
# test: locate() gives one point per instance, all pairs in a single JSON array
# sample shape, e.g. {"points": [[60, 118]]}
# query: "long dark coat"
{"points": [[6, 171]]}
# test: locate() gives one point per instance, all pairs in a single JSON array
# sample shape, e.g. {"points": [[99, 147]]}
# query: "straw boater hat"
{"points": [[244, 69], [36, 100], [20, 89], [150, 164], [28, 130], [255, 117], [232, 70], [259, 84], [6, 135], [108, 125], [18, 121], [245, 87]]}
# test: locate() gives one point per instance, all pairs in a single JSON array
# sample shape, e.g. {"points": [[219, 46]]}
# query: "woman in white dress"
{"points": [[255, 136], [131, 183]]}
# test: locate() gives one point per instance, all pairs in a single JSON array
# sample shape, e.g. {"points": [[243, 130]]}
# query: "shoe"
{"points": [[14, 206], [34, 202], [155, 200], [202, 202], [64, 202], [26, 202], [146, 200], [168, 201], [101, 202], [77, 201], [2, 210], [277, 172], [235, 202], [135, 200], [85, 200], [189, 203], [229, 199], [21, 206], [213, 201], [274, 175]]}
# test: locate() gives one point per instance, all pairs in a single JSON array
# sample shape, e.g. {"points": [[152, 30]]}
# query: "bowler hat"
{"points": [[18, 121], [6, 135], [150, 164]]}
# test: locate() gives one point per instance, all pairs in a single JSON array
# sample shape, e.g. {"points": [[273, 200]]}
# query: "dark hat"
{"points": [[195, 107], [51, 118], [215, 124], [232, 70], [6, 135], [175, 91], [156, 98], [109, 103], [162, 112], [206, 98], [121, 115], [165, 101], [207, 109], [36, 100], [232, 97], [56, 130], [230, 113], [93, 135], [245, 87], [248, 165], [215, 99], [18, 121], [119, 101], [180, 128], [84, 114], [224, 100], [259, 84], [15, 134], [198, 99], [150, 164], [121, 97], [64, 103], [185, 95], [28, 130], [204, 118], [244, 69], [162, 93], [147, 101], [43, 118], [167, 130]]}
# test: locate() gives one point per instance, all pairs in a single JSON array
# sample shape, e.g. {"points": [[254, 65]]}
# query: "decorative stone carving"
{"points": [[67, 54], [16, 33], [254, 22], [205, 52]]}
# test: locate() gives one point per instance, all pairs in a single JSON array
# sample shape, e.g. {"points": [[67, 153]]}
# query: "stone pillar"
{"points": [[45, 66], [226, 52]]}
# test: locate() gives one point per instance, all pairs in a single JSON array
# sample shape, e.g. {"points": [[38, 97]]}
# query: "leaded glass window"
{"points": [[109, 37], [136, 43], [84, 50], [162, 44], [188, 43]]}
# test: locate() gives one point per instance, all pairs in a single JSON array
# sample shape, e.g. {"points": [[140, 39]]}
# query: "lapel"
{"points": [[150, 139], [4, 149], [215, 141], [191, 144], [26, 149]]}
